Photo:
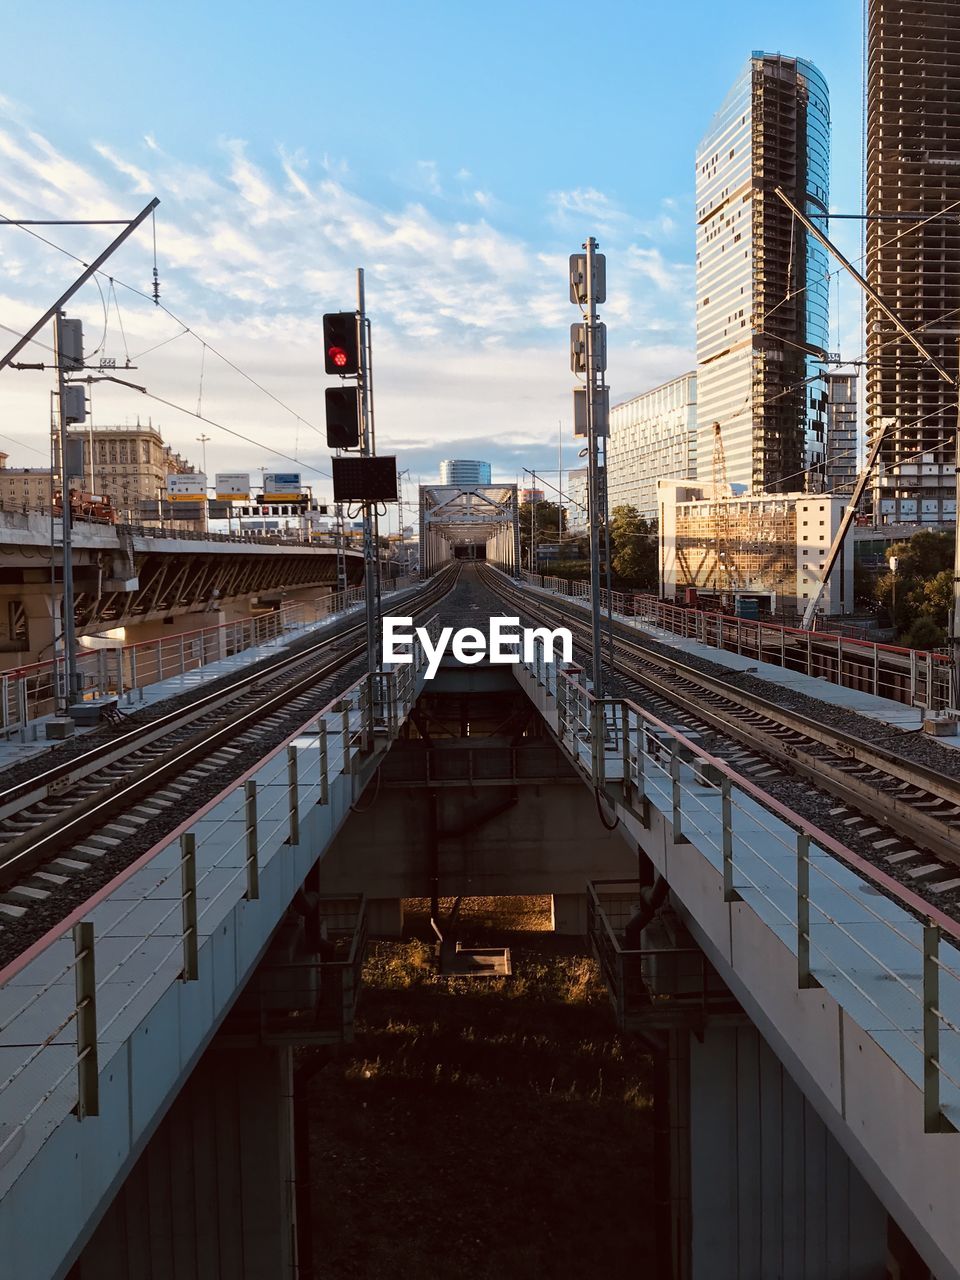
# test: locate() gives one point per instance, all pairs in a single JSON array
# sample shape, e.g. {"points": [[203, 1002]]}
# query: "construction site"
{"points": [[771, 548]]}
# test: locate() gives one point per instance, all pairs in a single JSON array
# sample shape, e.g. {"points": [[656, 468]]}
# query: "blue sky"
{"points": [[457, 151]]}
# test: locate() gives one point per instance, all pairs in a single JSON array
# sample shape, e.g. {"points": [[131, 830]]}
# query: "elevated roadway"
{"points": [[134, 577]]}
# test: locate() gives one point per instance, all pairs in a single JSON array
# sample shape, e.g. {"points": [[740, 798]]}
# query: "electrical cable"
{"points": [[147, 298], [606, 824], [277, 453]]}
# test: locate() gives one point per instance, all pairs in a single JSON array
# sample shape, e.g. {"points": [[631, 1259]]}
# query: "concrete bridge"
{"points": [[140, 579], [805, 1063]]}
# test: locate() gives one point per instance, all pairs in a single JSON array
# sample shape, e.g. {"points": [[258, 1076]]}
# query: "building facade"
{"points": [[772, 545], [842, 435], [762, 288], [652, 437], [464, 471], [913, 141], [577, 497], [128, 464], [24, 488]]}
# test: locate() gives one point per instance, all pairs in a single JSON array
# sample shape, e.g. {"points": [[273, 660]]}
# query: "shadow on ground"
{"points": [[492, 1129]]}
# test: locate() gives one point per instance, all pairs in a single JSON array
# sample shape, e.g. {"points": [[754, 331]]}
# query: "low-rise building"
{"points": [[128, 464], [767, 545]]}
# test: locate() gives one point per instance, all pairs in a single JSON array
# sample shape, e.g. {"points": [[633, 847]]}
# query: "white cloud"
{"points": [[469, 319], [141, 179]]}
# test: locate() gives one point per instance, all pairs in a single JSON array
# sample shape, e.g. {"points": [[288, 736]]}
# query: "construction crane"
{"points": [[721, 490], [834, 552]]}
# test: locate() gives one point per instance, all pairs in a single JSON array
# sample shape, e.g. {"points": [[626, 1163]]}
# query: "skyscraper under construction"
{"points": [[913, 171], [762, 284]]}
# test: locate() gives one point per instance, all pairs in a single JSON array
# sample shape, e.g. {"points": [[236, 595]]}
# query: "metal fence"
{"points": [[915, 677], [890, 959], [78, 999], [123, 670]]}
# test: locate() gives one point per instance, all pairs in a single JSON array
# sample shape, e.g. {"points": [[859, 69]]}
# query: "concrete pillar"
{"points": [[212, 1195], [43, 625], [569, 913], [770, 1191], [385, 917]]}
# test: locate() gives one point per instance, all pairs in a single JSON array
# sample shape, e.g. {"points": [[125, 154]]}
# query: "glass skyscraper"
{"points": [[762, 287]]}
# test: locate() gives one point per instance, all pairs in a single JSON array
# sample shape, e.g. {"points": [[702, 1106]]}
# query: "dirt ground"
{"points": [[484, 1129]]}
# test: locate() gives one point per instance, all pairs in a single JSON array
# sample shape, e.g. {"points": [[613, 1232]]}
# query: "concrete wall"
{"points": [[550, 841], [211, 1197], [772, 1193]]}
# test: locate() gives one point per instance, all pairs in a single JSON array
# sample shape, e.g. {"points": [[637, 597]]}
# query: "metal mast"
{"points": [[593, 441], [370, 551], [72, 689]]}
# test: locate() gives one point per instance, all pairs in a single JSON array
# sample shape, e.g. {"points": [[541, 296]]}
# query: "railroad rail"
{"points": [[914, 677], [62, 821], [918, 803]]}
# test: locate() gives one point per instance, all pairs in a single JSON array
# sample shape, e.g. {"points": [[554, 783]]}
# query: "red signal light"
{"points": [[337, 356]]}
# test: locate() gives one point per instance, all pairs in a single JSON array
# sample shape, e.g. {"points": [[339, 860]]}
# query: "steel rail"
{"points": [[898, 814], [32, 789], [22, 854]]}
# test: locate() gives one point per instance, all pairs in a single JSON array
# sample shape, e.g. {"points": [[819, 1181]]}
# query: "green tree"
{"points": [[919, 596], [549, 519], [633, 548], [923, 633]]}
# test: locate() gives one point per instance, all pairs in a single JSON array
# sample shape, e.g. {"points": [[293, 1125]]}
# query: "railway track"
{"points": [[920, 805], [60, 824]]}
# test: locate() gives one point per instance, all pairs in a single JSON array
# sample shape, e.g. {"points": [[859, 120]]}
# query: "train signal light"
{"points": [[578, 348], [343, 417], [341, 352], [578, 278]]}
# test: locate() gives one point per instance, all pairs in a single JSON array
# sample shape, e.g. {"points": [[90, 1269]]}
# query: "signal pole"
{"points": [[587, 290], [371, 564], [72, 681]]}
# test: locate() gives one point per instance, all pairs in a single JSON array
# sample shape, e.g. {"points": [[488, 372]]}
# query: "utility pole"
{"points": [[371, 553], [533, 524], [589, 356], [55, 312], [72, 683], [403, 548], [202, 441]]}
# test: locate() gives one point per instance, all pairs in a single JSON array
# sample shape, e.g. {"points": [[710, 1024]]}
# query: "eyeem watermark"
{"points": [[506, 642]]}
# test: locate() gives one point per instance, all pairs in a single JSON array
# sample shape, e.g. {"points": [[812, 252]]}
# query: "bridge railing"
{"points": [[915, 677], [83, 995], [30, 692], [890, 958]]}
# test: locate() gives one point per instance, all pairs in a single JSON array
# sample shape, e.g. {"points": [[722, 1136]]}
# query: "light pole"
{"points": [[894, 563], [202, 441], [400, 475]]}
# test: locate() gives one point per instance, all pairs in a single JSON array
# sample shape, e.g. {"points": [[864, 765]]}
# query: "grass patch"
{"points": [[492, 1129]]}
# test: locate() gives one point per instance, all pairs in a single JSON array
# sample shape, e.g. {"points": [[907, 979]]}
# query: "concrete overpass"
{"points": [[137, 578], [807, 1063]]}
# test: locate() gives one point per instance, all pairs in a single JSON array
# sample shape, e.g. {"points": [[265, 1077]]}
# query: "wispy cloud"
{"points": [[470, 319]]}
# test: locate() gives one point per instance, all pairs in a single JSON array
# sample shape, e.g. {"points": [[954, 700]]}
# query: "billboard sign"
{"points": [[281, 486], [232, 486], [191, 487]]}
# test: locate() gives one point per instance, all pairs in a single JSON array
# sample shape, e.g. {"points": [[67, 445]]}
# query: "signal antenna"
{"points": [[156, 275]]}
